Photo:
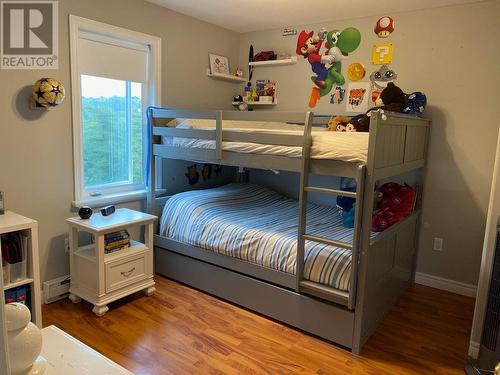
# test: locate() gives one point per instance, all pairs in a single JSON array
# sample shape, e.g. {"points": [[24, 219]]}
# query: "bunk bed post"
{"points": [[357, 237], [218, 135], [304, 181], [151, 191], [369, 188]]}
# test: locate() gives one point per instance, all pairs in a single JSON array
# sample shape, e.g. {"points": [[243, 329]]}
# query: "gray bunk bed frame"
{"points": [[382, 267]]}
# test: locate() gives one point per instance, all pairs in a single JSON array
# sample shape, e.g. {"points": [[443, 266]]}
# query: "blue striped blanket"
{"points": [[258, 225]]}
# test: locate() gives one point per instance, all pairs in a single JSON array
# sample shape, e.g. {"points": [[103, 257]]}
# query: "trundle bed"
{"points": [[290, 260]]}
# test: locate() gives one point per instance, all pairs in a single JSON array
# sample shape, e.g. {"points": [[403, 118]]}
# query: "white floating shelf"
{"points": [[252, 104], [292, 60], [226, 77]]}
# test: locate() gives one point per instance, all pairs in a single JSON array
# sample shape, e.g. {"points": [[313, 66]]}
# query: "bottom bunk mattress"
{"points": [[258, 225]]}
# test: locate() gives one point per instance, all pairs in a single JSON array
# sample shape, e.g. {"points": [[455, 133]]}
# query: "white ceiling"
{"points": [[251, 15]]}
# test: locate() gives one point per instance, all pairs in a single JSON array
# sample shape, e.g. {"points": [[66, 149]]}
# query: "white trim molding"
{"points": [[473, 349], [453, 286], [125, 197], [82, 28]]}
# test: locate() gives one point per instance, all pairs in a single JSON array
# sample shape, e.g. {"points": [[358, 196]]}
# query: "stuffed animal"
{"points": [[397, 202], [338, 123], [392, 99], [416, 102], [346, 204], [359, 123]]}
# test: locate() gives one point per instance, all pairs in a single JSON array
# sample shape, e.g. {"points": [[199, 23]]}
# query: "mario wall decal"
{"points": [[327, 66]]}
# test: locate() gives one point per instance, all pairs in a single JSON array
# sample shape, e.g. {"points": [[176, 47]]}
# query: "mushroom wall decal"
{"points": [[384, 27]]}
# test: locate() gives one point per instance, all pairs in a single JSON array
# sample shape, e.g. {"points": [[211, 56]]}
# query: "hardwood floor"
{"points": [[180, 330]]}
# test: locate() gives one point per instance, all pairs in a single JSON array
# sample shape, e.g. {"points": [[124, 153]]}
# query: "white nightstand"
{"points": [[101, 278]]}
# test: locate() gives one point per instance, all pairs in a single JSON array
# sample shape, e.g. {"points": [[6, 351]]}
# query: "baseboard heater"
{"points": [[56, 289]]}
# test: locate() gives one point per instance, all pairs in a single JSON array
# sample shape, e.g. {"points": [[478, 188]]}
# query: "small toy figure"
{"points": [[218, 169], [308, 46], [206, 172], [192, 174]]}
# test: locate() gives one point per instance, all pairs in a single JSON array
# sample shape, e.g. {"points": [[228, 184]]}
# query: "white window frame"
{"points": [[79, 26]]}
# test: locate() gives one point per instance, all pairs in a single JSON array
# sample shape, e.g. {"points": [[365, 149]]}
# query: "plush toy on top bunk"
{"points": [[391, 99]]}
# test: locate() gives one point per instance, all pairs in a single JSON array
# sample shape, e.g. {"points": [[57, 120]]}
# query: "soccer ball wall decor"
{"points": [[47, 93]]}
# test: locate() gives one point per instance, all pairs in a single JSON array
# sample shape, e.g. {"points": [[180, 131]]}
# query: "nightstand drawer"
{"points": [[125, 272]]}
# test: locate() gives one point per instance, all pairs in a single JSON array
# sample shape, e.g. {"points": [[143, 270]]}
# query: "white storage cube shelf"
{"points": [[23, 273]]}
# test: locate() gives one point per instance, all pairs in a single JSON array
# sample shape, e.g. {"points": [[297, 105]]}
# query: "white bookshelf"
{"points": [[12, 222], [257, 104], [4, 353], [291, 61], [226, 77]]}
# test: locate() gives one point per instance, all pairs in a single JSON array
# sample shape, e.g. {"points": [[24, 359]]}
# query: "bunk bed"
{"points": [[375, 269]]}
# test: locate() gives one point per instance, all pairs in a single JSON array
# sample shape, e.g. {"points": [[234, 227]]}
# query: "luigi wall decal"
{"points": [[327, 65]]}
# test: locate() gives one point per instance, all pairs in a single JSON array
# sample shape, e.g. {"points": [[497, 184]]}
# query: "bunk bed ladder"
{"points": [[323, 291]]}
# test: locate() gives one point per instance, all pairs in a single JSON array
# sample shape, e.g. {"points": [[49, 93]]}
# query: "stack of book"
{"points": [[116, 241]]}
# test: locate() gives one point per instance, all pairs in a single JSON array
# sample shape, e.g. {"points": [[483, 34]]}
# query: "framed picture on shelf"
{"points": [[218, 64]]}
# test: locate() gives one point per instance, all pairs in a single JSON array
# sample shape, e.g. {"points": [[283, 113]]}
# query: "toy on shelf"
{"points": [[264, 56]]}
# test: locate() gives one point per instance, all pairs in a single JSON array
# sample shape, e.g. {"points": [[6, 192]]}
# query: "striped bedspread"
{"points": [[258, 225]]}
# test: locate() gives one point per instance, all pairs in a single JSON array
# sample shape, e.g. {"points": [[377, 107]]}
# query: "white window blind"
{"points": [[104, 56]]}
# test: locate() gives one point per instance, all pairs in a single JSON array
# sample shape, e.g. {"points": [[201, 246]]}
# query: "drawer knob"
{"points": [[128, 273]]}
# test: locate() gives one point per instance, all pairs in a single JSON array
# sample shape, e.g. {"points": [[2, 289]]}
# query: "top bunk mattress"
{"points": [[329, 145], [258, 225]]}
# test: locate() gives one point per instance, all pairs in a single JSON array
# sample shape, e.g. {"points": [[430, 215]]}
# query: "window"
{"points": [[115, 77]]}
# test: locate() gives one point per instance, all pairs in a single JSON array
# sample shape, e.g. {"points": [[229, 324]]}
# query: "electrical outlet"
{"points": [[66, 244], [438, 244]]}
